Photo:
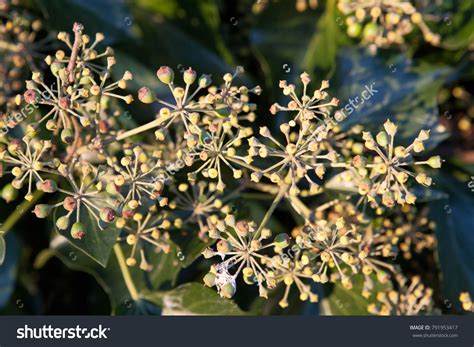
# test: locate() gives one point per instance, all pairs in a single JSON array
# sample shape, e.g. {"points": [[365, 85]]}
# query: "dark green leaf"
{"points": [[454, 218], [174, 48], [110, 278], [350, 302], [8, 269], [193, 299], [166, 267], [300, 41], [392, 89], [190, 245], [323, 46], [138, 308], [98, 242], [108, 16], [3, 249], [198, 19], [456, 27]]}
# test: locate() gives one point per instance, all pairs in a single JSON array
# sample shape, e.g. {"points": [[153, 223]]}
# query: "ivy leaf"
{"points": [[323, 46], [190, 245], [108, 16], [198, 19], [97, 243], [175, 45], [193, 299], [166, 267], [350, 302], [301, 41], [392, 89], [3, 249], [8, 270], [110, 278], [454, 232], [456, 27], [139, 307]]}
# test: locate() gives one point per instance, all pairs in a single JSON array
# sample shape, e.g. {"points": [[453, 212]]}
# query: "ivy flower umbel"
{"points": [[217, 149], [373, 255], [222, 105], [412, 298], [301, 155], [183, 109], [81, 99], [307, 107], [293, 272], [384, 22], [81, 84], [143, 231], [370, 254], [139, 175], [231, 103], [410, 229], [241, 248], [198, 203], [26, 162], [389, 172], [332, 246]]}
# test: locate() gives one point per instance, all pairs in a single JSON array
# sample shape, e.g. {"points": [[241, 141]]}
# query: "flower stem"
{"points": [[125, 272], [272, 208], [19, 212], [77, 28], [300, 207], [153, 124]]}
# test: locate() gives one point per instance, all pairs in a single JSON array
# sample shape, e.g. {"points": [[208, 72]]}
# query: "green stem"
{"points": [[19, 212], [153, 124], [300, 207], [272, 208], [125, 272]]}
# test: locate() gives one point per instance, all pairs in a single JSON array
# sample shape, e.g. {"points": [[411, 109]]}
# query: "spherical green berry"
{"points": [[55, 67], [370, 31], [354, 30], [382, 139], [204, 81], [165, 74], [209, 279], [48, 186], [67, 136], [282, 240], [77, 231], [107, 214], [228, 290], [42, 210], [189, 76], [9, 193], [62, 223], [146, 95]]}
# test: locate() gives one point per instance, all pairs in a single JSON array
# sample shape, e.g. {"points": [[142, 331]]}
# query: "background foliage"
{"points": [[42, 275]]}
